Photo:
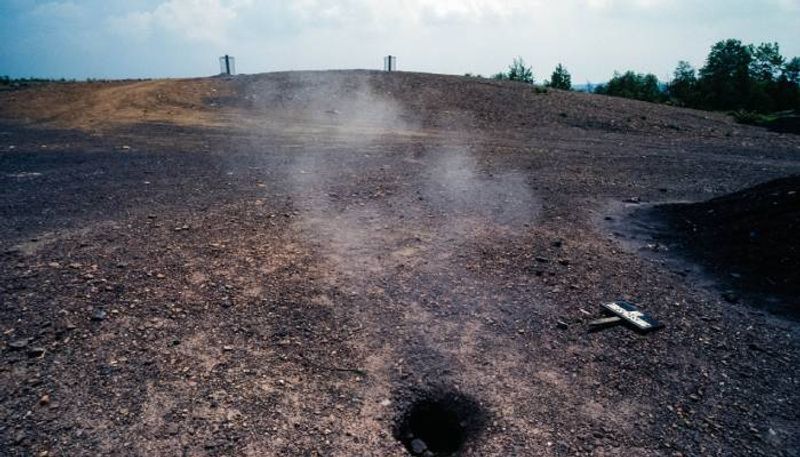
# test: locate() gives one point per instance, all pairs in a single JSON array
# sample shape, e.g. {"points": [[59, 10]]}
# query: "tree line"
{"points": [[735, 77], [739, 77]]}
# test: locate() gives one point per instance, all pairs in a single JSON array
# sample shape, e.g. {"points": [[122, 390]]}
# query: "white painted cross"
{"points": [[628, 312]]}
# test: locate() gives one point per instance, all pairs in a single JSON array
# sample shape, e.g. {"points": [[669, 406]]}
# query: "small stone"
{"points": [[45, 400], [562, 325], [18, 344], [418, 446], [386, 402], [227, 348], [99, 314]]}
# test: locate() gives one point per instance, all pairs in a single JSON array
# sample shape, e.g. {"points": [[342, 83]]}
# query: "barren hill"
{"points": [[362, 263], [423, 100]]}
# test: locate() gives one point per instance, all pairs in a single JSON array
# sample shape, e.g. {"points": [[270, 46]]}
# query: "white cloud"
{"points": [[469, 10], [212, 20], [206, 21]]}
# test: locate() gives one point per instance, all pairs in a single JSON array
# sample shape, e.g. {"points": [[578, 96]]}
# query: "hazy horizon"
{"points": [[182, 38]]}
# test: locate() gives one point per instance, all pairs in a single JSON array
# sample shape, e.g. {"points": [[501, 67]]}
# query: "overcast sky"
{"points": [[170, 38]]}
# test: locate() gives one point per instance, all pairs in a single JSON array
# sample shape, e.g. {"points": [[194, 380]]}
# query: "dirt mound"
{"points": [[98, 105], [750, 237], [445, 102], [415, 100]]}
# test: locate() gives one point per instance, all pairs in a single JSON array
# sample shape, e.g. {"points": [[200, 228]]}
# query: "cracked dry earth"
{"points": [[291, 278]]}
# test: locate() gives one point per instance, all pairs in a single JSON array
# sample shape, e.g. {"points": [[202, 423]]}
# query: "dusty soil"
{"points": [[291, 262]]}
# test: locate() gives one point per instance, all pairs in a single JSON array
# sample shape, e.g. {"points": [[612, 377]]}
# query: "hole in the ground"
{"points": [[439, 424]]}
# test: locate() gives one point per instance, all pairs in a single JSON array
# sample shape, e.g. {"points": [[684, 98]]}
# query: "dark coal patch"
{"points": [[439, 423], [748, 240]]}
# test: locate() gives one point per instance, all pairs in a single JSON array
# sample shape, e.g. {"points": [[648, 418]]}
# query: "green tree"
{"points": [[787, 87], [767, 63], [725, 79], [683, 88], [518, 71], [633, 85], [561, 79], [791, 71], [767, 92]]}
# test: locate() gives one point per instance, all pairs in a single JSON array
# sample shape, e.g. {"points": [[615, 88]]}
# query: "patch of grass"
{"points": [[782, 122], [753, 118]]}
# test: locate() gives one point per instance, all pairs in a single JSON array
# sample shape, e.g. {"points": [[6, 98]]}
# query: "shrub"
{"points": [[517, 71], [561, 79], [633, 85]]}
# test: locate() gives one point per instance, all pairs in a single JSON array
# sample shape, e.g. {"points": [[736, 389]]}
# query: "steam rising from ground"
{"points": [[340, 106], [352, 205], [470, 198]]}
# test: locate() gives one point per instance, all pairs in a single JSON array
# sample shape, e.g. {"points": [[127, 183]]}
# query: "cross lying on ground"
{"points": [[626, 312]]}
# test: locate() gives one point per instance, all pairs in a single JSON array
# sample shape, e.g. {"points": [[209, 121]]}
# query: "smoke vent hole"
{"points": [[436, 427]]}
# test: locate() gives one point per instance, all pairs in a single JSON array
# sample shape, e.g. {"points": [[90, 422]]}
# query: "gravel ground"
{"points": [[343, 247]]}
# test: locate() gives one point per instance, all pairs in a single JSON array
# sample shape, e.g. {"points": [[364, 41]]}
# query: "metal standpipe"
{"points": [[390, 63]]}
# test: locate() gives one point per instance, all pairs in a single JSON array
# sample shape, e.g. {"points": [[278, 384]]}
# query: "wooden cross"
{"points": [[626, 312]]}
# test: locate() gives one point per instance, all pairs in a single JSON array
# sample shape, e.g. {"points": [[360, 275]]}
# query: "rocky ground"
{"points": [[300, 263]]}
